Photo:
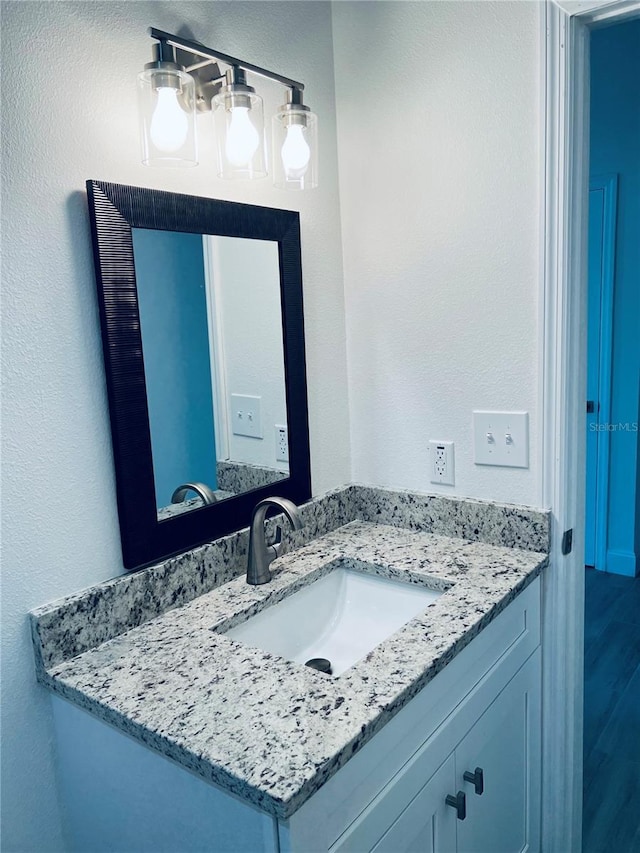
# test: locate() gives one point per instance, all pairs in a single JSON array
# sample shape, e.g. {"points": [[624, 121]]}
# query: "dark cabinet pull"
{"points": [[459, 803], [477, 778]]}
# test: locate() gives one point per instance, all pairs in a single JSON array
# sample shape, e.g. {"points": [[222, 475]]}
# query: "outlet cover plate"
{"points": [[501, 438], [442, 462], [245, 415], [282, 443]]}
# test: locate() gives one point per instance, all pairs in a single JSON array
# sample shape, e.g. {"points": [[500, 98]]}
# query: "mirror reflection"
{"points": [[211, 327]]}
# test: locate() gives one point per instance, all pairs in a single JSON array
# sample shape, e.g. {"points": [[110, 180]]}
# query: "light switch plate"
{"points": [[501, 438], [245, 415]]}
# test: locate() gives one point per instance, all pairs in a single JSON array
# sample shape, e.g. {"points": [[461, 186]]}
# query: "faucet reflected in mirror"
{"points": [[204, 496], [262, 555]]}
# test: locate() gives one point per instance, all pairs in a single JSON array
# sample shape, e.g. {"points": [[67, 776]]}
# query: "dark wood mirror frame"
{"points": [[114, 210]]}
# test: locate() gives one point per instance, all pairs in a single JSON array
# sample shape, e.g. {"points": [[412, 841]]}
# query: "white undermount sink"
{"points": [[340, 617]]}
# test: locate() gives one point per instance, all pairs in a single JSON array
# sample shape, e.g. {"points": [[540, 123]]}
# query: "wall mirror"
{"points": [[203, 336]]}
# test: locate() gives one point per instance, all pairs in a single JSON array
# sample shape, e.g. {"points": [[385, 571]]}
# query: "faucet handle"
{"points": [[277, 542]]}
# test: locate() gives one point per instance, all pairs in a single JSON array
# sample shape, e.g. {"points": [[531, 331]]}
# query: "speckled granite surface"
{"points": [[494, 523], [271, 731], [79, 622], [240, 477]]}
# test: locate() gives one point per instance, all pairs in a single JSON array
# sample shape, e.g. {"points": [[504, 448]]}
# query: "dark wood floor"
{"points": [[611, 818]]}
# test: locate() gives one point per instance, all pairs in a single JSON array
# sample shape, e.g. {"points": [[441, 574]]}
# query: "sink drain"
{"points": [[321, 664]]}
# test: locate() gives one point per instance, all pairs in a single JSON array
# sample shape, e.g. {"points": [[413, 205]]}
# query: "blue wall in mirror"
{"points": [[175, 342]]}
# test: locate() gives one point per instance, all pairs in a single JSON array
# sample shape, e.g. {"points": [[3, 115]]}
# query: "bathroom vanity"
{"points": [[173, 736]]}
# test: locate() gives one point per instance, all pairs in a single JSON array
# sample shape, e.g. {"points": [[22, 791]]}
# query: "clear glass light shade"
{"points": [[295, 149], [239, 130], [167, 107]]}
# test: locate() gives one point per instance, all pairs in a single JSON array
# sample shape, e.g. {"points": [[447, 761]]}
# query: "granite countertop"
{"points": [[270, 731]]}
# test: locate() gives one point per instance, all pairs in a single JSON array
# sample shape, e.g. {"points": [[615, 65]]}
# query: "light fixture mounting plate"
{"points": [[208, 77]]}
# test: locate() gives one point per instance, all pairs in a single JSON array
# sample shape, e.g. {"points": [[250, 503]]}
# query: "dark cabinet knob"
{"points": [[476, 778], [459, 803]]}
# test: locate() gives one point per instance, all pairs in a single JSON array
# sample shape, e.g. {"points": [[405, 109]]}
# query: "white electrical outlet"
{"points": [[442, 462], [245, 415], [282, 443]]}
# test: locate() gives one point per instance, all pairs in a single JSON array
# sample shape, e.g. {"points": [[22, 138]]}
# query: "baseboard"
{"points": [[622, 563]]}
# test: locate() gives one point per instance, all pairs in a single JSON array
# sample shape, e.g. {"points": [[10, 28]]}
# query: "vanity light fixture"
{"points": [[185, 77]]}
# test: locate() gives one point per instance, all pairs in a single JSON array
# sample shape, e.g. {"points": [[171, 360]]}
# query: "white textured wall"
{"points": [[438, 132], [439, 174], [68, 114]]}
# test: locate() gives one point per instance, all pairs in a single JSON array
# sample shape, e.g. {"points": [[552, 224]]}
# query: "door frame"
{"points": [[609, 186], [215, 321], [566, 28]]}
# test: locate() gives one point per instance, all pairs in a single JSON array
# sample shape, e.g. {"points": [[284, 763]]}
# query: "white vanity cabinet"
{"points": [[481, 711], [412, 813]]}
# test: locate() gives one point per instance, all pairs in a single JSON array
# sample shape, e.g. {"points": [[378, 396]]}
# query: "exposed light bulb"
{"points": [[242, 138], [295, 152], [169, 123]]}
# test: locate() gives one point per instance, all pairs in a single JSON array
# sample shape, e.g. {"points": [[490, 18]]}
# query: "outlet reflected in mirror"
{"points": [[211, 325]]}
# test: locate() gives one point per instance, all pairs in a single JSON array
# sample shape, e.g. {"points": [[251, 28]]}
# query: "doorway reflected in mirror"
{"points": [[211, 326]]}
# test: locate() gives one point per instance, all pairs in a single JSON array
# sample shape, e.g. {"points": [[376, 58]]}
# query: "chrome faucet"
{"points": [[262, 555], [202, 490]]}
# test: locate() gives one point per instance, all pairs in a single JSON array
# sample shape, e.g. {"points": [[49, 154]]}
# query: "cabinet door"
{"points": [[425, 825], [505, 744]]}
